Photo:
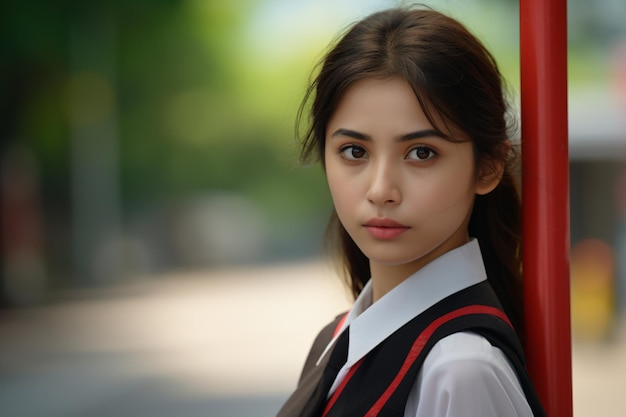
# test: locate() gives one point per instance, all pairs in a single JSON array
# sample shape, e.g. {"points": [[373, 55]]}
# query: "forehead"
{"points": [[388, 92], [374, 102]]}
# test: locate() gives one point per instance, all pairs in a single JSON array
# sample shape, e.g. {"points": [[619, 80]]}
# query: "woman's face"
{"points": [[402, 192]]}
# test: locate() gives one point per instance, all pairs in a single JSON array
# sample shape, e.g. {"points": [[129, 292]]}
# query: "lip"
{"points": [[384, 229]]}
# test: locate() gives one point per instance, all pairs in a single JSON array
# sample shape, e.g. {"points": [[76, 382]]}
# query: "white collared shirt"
{"points": [[463, 375]]}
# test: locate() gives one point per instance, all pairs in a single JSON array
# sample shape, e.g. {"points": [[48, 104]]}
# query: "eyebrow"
{"points": [[409, 136]]}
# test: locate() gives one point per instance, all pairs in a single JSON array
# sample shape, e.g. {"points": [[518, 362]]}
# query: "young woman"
{"points": [[410, 123]]}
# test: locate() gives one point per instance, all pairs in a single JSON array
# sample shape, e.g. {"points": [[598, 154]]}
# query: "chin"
{"points": [[394, 260]]}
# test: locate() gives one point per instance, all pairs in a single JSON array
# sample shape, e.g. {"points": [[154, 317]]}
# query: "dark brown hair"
{"points": [[460, 88]]}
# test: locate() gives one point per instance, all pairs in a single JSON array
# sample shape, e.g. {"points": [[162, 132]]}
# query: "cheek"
{"points": [[340, 188], [443, 192]]}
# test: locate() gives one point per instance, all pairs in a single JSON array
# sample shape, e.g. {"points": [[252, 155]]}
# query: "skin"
{"points": [[385, 163]]}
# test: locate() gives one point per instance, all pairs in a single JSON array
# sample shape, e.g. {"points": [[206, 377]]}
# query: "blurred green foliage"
{"points": [[187, 119]]}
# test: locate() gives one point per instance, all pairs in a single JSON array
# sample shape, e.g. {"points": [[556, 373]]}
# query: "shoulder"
{"points": [[465, 375], [466, 349]]}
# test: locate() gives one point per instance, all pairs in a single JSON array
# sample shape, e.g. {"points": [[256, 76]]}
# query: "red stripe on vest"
{"points": [[340, 388], [348, 376], [336, 331], [419, 344]]}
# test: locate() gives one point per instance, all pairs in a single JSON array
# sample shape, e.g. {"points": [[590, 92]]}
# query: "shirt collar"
{"points": [[371, 323]]}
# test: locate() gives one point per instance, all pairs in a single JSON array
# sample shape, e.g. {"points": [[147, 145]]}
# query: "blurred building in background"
{"points": [[598, 198]]}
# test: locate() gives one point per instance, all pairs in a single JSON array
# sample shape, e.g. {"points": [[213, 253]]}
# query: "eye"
{"points": [[421, 153], [353, 152]]}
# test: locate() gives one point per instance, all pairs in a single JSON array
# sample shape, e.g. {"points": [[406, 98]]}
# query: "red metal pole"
{"points": [[545, 193]]}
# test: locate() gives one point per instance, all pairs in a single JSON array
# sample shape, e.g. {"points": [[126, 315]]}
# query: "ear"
{"points": [[490, 171]]}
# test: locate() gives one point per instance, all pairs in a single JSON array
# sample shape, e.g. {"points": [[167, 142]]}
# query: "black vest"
{"points": [[380, 383]]}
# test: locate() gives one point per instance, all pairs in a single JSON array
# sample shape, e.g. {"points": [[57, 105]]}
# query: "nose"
{"points": [[383, 188]]}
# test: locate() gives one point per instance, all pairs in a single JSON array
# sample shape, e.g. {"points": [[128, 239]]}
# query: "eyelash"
{"points": [[344, 149], [431, 153]]}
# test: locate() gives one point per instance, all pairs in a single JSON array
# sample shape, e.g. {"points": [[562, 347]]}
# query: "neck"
{"points": [[385, 278]]}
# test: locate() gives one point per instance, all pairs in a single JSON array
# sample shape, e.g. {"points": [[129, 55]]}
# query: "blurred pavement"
{"points": [[221, 343]]}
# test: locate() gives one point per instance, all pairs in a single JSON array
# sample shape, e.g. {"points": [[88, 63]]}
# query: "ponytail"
{"points": [[496, 223]]}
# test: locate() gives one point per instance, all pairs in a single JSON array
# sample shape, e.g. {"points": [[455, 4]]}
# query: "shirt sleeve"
{"points": [[465, 376]]}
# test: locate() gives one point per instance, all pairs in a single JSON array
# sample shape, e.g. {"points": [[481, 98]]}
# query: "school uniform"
{"points": [[436, 345]]}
